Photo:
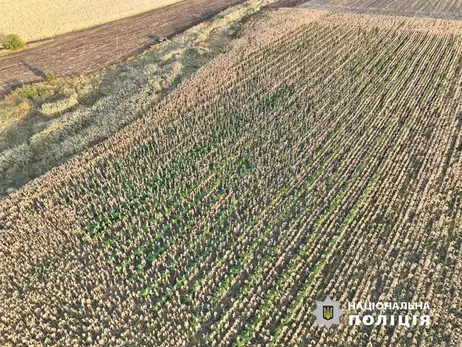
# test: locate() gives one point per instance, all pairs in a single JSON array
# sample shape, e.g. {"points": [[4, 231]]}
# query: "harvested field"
{"points": [[39, 19], [446, 9], [93, 49], [321, 156]]}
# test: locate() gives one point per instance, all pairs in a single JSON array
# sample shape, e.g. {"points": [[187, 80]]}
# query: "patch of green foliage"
{"points": [[50, 76], [13, 42]]}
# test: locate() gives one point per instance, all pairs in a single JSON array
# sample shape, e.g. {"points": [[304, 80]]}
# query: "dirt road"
{"points": [[92, 49]]}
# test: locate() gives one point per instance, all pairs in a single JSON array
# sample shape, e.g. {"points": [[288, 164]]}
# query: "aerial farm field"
{"points": [[321, 155], [39, 19], [44, 124], [88, 51], [448, 9]]}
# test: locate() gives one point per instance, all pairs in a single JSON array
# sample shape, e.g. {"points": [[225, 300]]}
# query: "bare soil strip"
{"points": [[90, 50]]}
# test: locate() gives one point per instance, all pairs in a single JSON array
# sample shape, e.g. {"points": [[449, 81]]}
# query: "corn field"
{"points": [[320, 156]]}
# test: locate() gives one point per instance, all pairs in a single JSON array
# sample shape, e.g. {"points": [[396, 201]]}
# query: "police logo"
{"points": [[327, 312]]}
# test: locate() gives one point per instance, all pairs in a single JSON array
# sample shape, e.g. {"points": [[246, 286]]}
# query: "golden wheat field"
{"points": [[38, 19]]}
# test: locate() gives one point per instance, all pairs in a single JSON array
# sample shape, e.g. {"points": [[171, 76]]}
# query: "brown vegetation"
{"points": [[320, 156], [447, 9]]}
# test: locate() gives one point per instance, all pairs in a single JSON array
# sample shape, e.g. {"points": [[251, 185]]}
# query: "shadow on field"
{"points": [[36, 71]]}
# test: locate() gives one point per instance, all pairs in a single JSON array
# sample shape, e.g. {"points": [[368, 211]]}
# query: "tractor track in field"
{"points": [[90, 50]]}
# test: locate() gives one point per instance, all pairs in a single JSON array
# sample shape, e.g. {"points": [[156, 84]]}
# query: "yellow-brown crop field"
{"points": [[38, 19], [447, 9], [320, 156]]}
